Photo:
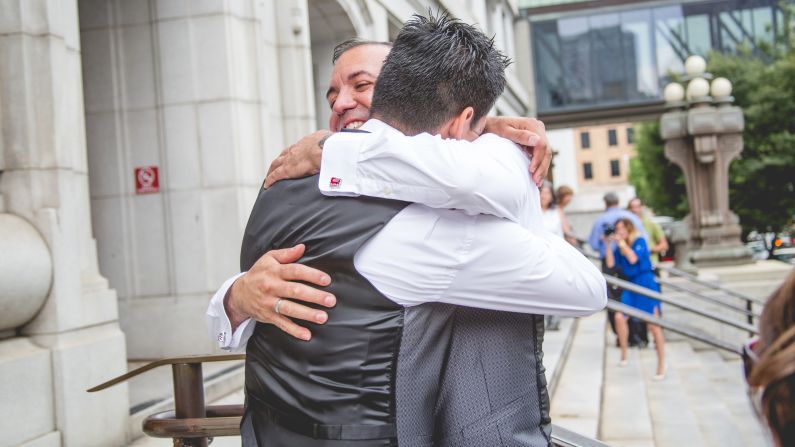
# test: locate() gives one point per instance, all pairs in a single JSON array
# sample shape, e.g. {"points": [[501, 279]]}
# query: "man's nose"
{"points": [[344, 101]]}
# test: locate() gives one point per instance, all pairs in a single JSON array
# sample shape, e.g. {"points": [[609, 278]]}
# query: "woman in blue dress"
{"points": [[631, 253]]}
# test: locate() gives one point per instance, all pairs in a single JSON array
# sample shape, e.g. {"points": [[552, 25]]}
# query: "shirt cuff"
{"points": [[338, 164], [218, 321]]}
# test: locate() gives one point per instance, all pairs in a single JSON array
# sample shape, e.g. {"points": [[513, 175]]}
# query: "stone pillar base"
{"points": [[717, 255], [78, 360]]}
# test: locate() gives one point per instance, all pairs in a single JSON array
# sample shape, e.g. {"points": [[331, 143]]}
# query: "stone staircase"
{"points": [[701, 402]]}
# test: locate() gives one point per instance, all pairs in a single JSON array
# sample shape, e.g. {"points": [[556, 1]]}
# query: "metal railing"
{"points": [[712, 285], [748, 310], [192, 424], [680, 304], [679, 328], [748, 300]]}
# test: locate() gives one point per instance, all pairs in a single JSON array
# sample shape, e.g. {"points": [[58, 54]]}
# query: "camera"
{"points": [[607, 230]]}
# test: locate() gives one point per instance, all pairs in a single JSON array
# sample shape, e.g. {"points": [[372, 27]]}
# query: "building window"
{"points": [[612, 137], [587, 171], [615, 168], [585, 140], [630, 135]]}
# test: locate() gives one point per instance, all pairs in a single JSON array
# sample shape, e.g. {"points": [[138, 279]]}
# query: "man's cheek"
{"points": [[334, 122]]}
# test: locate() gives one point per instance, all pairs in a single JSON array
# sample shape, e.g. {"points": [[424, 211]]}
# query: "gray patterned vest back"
{"points": [[339, 387]]}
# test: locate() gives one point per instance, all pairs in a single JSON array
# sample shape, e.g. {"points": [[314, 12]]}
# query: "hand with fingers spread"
{"points": [[269, 293], [301, 159], [529, 133]]}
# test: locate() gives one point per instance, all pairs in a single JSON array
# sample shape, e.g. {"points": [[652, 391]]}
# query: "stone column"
{"points": [[703, 141], [74, 341], [209, 92]]}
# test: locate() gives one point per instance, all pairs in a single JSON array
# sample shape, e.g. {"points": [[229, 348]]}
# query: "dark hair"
{"points": [[611, 199], [774, 372], [438, 66], [349, 44]]}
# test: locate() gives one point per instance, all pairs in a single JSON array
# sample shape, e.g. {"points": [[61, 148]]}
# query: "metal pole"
{"points": [[188, 398]]}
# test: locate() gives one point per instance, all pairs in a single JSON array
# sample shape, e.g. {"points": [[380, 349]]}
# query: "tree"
{"points": [[762, 181], [657, 181]]}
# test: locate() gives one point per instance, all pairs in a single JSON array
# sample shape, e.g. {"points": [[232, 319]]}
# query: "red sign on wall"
{"points": [[147, 180]]}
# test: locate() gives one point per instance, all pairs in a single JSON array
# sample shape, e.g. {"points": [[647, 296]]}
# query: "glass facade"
{"points": [[625, 55]]}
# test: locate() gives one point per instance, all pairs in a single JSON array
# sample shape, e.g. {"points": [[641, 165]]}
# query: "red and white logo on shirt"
{"points": [[335, 182]]}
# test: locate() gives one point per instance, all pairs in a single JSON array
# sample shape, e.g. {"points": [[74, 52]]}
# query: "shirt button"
{"points": [[387, 190]]}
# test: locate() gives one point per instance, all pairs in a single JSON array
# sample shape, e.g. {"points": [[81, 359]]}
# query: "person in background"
{"points": [[564, 194], [602, 226], [638, 332], [658, 243], [631, 254], [552, 217], [769, 362]]}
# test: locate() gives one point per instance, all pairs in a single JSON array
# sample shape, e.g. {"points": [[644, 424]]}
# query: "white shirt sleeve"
{"points": [[219, 325], [426, 255], [487, 176]]}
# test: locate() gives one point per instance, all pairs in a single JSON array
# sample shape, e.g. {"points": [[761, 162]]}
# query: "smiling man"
{"points": [[401, 359]]}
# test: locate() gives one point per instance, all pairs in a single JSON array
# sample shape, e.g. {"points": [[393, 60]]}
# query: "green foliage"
{"points": [[762, 189], [762, 181], [657, 181]]}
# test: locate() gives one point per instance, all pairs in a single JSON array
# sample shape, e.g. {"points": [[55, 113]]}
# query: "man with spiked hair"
{"points": [[404, 358]]}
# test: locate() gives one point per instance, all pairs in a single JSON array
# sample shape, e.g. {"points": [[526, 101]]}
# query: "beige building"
{"points": [[602, 154], [592, 160], [135, 134]]}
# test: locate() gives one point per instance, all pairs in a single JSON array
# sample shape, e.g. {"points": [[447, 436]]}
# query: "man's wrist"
{"points": [[322, 141], [235, 316]]}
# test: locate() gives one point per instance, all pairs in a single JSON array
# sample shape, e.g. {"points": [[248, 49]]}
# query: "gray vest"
{"points": [[489, 387], [339, 387], [458, 376]]}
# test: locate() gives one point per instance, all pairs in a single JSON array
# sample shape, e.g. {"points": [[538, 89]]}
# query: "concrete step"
{"points": [[674, 422], [712, 414], [625, 419], [576, 403], [729, 384]]}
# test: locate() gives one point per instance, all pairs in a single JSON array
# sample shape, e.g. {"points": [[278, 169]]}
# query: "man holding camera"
{"points": [[604, 225]]}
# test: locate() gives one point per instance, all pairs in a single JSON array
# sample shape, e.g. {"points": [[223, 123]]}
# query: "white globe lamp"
{"points": [[674, 92], [695, 66], [697, 88], [721, 88]]}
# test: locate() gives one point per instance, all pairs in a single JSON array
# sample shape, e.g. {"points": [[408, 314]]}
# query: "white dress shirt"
{"points": [[469, 258]]}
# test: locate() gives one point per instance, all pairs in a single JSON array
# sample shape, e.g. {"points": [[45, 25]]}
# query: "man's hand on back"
{"points": [[271, 278], [302, 159], [531, 135]]}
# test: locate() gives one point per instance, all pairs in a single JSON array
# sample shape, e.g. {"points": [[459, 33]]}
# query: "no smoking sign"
{"points": [[147, 181]]}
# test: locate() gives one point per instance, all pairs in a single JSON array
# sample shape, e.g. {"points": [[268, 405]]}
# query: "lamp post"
{"points": [[703, 134]]}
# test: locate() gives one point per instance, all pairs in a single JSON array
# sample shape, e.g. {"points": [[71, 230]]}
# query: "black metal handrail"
{"points": [[677, 303]]}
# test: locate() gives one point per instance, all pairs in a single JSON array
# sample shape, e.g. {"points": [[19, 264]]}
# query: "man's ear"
{"points": [[459, 126]]}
